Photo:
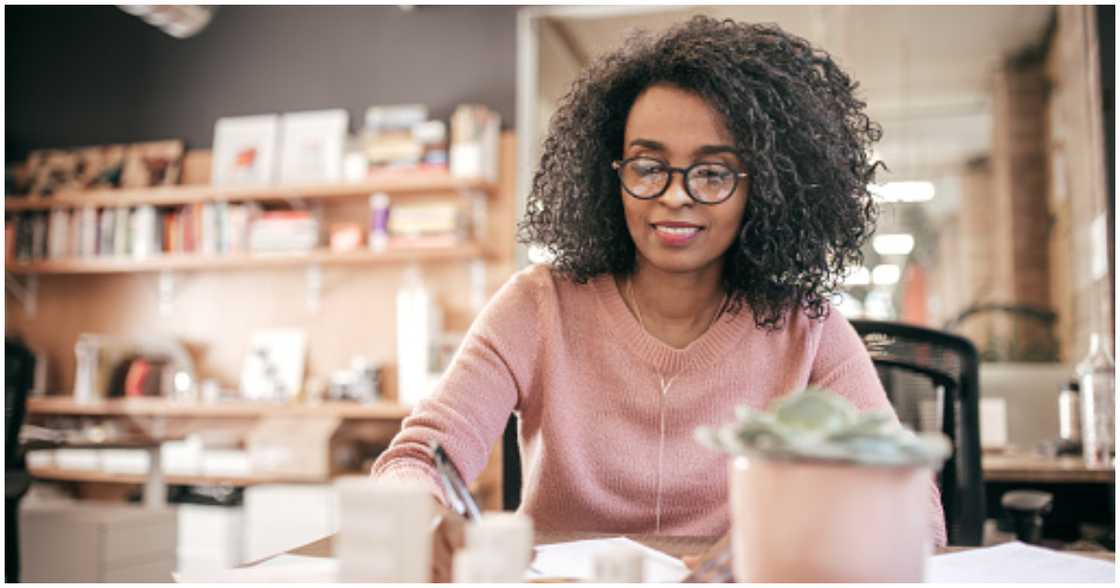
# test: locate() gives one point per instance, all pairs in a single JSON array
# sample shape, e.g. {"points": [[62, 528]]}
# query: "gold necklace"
{"points": [[638, 307]]}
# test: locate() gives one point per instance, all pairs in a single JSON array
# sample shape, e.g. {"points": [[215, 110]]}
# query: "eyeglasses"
{"points": [[647, 178]]}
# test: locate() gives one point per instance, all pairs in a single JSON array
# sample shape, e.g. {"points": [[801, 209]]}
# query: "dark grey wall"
{"points": [[96, 75]]}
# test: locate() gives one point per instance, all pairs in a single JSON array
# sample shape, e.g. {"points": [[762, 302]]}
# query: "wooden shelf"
{"points": [[403, 183], [110, 265], [157, 407], [72, 475]]}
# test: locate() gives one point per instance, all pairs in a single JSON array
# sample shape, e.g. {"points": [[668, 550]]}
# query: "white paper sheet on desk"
{"points": [[1018, 562], [576, 559], [282, 568]]}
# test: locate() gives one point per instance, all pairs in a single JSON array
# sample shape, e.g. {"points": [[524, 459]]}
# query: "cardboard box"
{"points": [[90, 542], [298, 447]]}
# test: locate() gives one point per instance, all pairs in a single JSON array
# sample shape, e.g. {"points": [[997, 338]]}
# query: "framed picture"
{"points": [[312, 146], [244, 150], [100, 167], [152, 164], [273, 368], [52, 171]]}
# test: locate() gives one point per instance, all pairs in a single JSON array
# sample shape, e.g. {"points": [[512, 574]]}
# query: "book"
{"points": [[87, 245], [58, 234], [106, 232], [120, 232]]}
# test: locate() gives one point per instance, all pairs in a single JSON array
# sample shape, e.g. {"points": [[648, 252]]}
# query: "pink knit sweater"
{"points": [[587, 382]]}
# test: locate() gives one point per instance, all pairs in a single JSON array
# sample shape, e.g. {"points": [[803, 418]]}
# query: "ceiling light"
{"points": [[902, 191], [857, 276], [896, 244], [886, 274]]}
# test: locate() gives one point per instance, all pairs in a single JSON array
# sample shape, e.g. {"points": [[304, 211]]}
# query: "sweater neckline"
{"points": [[664, 358]]}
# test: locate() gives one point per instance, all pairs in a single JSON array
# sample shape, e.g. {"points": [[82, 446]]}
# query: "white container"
{"points": [[418, 323], [499, 548], [385, 531]]}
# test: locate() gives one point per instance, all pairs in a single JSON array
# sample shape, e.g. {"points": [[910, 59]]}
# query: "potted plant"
{"points": [[821, 492]]}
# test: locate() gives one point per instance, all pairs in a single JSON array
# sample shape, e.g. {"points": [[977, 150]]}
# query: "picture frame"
{"points": [[312, 146], [100, 166], [273, 366], [245, 150], [152, 164]]}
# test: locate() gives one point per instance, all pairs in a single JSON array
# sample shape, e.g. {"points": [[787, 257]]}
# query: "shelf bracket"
{"points": [[166, 288], [27, 292], [314, 287]]}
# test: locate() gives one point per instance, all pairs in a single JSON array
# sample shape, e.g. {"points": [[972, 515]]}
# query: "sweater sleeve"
{"points": [[486, 381], [843, 365]]}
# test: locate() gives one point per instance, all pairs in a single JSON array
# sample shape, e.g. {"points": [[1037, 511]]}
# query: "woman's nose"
{"points": [[676, 195]]}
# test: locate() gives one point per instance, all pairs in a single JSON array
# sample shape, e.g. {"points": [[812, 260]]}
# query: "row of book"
{"points": [[144, 231], [220, 228]]}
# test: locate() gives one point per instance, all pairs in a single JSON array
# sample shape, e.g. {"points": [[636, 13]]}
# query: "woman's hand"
{"points": [[715, 555], [447, 538]]}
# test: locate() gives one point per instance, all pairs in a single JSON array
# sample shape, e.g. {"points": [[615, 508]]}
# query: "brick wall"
{"points": [[1076, 192]]}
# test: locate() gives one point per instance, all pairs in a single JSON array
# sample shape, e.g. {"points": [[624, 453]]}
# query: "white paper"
{"points": [[282, 568], [575, 559], [1018, 562]]}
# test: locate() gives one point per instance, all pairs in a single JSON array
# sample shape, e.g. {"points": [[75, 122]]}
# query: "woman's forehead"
{"points": [[678, 120]]}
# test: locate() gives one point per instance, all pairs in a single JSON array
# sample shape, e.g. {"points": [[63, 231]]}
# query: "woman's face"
{"points": [[673, 232]]}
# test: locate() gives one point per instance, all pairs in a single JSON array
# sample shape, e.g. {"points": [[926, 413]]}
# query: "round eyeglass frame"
{"points": [[618, 164]]}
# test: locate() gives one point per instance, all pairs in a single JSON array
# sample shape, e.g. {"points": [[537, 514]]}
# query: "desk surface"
{"points": [[1032, 467], [674, 546]]}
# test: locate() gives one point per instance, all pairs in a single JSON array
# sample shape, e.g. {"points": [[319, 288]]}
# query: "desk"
{"points": [[1032, 467], [674, 546], [1082, 494]]}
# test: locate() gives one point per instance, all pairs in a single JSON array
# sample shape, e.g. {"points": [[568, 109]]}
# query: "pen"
{"points": [[458, 495]]}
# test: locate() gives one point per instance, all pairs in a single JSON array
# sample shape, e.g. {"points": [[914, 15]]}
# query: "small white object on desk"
{"points": [[498, 549], [384, 532], [1017, 562]]}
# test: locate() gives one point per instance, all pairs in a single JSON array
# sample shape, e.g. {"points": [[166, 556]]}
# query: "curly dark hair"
{"points": [[797, 124]]}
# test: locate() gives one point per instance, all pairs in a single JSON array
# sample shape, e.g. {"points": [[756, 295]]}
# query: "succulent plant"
{"points": [[816, 424]]}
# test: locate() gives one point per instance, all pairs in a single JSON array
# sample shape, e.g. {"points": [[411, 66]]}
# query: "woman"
{"points": [[702, 194]]}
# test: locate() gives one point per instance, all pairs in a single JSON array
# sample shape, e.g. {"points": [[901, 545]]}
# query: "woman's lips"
{"points": [[676, 234]]}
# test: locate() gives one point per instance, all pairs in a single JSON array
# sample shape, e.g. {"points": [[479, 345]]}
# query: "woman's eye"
{"points": [[714, 175], [648, 169]]}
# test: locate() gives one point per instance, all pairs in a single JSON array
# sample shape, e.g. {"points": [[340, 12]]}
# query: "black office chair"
{"points": [[19, 377], [922, 368], [511, 466]]}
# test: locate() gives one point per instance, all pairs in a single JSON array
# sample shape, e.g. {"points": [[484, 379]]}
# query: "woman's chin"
{"points": [[677, 262]]}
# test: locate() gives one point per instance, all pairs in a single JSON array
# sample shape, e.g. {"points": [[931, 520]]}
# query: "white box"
{"points": [[40, 458], [210, 536], [125, 461], [78, 459], [279, 517]]}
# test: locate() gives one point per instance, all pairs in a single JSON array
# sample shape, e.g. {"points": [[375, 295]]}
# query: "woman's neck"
{"points": [[676, 308]]}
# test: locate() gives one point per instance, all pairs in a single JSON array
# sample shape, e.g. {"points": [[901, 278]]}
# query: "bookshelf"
{"points": [[65, 406], [100, 477], [396, 184], [237, 261], [215, 302]]}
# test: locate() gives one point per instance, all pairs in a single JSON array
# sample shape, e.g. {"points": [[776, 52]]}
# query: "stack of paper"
{"points": [[1018, 562]]}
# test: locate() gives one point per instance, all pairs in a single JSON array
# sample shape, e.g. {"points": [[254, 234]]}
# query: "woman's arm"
{"points": [[843, 365], [487, 379]]}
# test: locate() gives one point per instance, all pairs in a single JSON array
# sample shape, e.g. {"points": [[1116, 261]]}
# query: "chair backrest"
{"points": [[511, 465], [932, 380], [19, 377]]}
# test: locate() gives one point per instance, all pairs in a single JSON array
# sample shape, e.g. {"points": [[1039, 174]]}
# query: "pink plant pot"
{"points": [[806, 521]]}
